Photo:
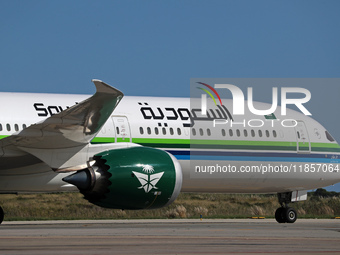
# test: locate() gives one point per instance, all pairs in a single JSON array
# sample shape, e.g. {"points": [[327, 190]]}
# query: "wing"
{"points": [[75, 126], [69, 131]]}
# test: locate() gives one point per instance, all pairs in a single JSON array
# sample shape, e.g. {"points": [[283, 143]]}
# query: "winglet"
{"points": [[102, 87]]}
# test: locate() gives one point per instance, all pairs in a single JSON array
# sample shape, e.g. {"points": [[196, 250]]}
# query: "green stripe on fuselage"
{"points": [[163, 143], [103, 140], [218, 144], [232, 144], [325, 147]]}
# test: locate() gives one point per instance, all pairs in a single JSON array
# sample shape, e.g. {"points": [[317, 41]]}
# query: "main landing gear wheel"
{"points": [[279, 215], [285, 215], [2, 214], [291, 215]]}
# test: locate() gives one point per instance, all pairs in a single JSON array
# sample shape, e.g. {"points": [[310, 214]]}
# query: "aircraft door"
{"points": [[122, 129], [303, 144]]}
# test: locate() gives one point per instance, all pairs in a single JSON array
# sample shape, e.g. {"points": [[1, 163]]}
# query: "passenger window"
{"points": [[8, 126], [230, 132], [23, 126], [149, 130], [267, 133], [201, 132], [238, 133], [274, 133], [208, 132], [156, 131], [179, 132], [245, 132], [252, 133], [16, 127], [164, 131], [223, 132], [193, 132], [260, 133], [171, 131], [0, 127]]}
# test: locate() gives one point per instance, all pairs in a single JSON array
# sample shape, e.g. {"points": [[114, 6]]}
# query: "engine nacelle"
{"points": [[132, 178]]}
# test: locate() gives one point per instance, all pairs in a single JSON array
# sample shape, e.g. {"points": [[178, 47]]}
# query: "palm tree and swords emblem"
{"points": [[148, 180]]}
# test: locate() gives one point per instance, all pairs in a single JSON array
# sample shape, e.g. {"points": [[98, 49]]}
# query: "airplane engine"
{"points": [[132, 178]]}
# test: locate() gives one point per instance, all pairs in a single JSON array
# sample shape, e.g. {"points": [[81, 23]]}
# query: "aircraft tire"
{"points": [[290, 215], [280, 215]]}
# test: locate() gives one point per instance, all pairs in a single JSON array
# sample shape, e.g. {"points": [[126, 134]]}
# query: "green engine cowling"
{"points": [[132, 178]]}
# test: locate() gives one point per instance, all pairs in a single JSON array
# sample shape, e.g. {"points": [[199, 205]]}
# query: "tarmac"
{"points": [[209, 236]]}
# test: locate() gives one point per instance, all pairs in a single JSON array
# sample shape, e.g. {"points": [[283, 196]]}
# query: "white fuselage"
{"points": [[253, 155]]}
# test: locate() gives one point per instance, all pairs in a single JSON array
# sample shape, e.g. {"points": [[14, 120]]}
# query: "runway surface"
{"points": [[170, 237]]}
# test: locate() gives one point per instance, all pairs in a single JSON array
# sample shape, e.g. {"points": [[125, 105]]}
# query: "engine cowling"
{"points": [[132, 178]]}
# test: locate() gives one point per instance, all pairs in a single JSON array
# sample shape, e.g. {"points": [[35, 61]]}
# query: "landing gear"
{"points": [[285, 214], [2, 214]]}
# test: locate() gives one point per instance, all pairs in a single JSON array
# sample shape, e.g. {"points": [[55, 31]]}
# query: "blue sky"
{"points": [[155, 47]]}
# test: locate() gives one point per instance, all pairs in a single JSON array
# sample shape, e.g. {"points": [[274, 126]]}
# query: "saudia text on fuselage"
{"points": [[221, 115]]}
